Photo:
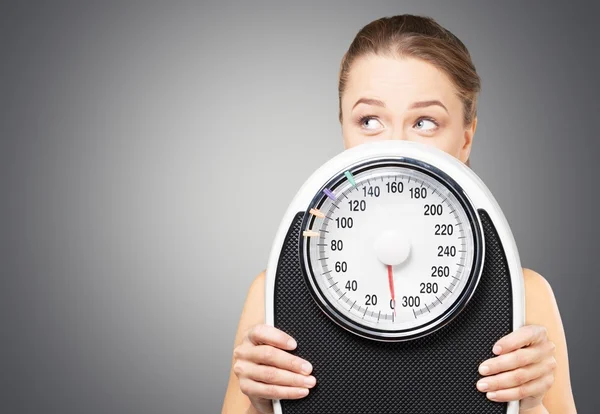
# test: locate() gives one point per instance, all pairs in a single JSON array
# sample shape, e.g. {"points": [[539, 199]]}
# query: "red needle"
{"points": [[391, 281]]}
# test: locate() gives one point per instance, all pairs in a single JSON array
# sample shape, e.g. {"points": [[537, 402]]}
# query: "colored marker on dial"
{"points": [[317, 213], [329, 194], [350, 178], [310, 233]]}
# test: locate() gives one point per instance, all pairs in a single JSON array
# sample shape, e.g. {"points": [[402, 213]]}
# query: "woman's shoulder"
{"points": [[253, 311], [258, 284], [535, 283], [540, 304], [257, 287]]}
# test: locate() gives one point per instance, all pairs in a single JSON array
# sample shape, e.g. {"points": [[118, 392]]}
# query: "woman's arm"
{"points": [[262, 368], [253, 313], [531, 363], [542, 309]]}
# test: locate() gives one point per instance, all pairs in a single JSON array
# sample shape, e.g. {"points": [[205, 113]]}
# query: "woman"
{"points": [[406, 77]]}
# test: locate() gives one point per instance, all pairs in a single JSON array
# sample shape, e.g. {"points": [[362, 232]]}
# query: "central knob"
{"points": [[391, 247]]}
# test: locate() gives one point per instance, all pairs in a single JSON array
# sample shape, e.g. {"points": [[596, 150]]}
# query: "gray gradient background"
{"points": [[149, 151]]}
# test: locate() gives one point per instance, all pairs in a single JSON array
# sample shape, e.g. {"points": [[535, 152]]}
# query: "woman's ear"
{"points": [[465, 151]]}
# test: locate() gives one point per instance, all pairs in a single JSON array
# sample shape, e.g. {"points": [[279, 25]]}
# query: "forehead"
{"points": [[398, 81]]}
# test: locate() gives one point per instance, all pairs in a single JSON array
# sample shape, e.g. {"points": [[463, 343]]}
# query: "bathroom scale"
{"points": [[395, 271]]}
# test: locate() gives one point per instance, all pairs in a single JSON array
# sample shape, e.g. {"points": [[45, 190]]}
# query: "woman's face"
{"points": [[407, 99]]}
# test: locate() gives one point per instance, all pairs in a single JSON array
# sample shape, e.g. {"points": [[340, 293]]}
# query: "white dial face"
{"points": [[390, 249]]}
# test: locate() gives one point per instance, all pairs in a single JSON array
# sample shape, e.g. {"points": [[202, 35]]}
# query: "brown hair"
{"points": [[419, 37]]}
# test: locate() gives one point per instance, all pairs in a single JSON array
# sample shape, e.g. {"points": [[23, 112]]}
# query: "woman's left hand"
{"points": [[523, 369]]}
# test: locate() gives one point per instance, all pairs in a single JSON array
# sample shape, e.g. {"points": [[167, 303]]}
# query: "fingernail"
{"points": [[482, 386], [484, 369], [491, 395], [310, 381], [302, 391], [497, 349], [306, 367], [291, 343]]}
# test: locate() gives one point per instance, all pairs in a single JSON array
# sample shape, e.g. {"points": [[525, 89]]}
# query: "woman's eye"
{"points": [[366, 123], [426, 124]]}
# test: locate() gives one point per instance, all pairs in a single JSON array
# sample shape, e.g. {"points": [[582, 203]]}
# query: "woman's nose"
{"points": [[399, 135]]}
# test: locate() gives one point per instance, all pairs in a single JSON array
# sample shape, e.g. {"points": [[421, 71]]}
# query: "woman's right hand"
{"points": [[266, 371]]}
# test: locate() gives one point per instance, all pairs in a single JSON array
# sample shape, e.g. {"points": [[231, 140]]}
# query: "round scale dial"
{"points": [[391, 249]]}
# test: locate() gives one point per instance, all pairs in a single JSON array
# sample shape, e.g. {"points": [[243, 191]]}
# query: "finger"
{"points": [[268, 355], [531, 389], [515, 377], [515, 359], [272, 375], [271, 391], [524, 336], [269, 335]]}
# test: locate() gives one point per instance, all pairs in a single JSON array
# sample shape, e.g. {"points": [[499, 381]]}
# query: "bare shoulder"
{"points": [[254, 311], [541, 308], [258, 284], [540, 303]]}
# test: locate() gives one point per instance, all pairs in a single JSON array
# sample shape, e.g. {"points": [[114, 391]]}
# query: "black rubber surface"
{"points": [[433, 374]]}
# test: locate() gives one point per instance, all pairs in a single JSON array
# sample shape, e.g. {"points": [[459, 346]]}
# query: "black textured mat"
{"points": [[428, 375]]}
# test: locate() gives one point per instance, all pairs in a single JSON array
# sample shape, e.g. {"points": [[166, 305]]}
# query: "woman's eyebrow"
{"points": [[423, 104], [370, 101], [419, 104]]}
